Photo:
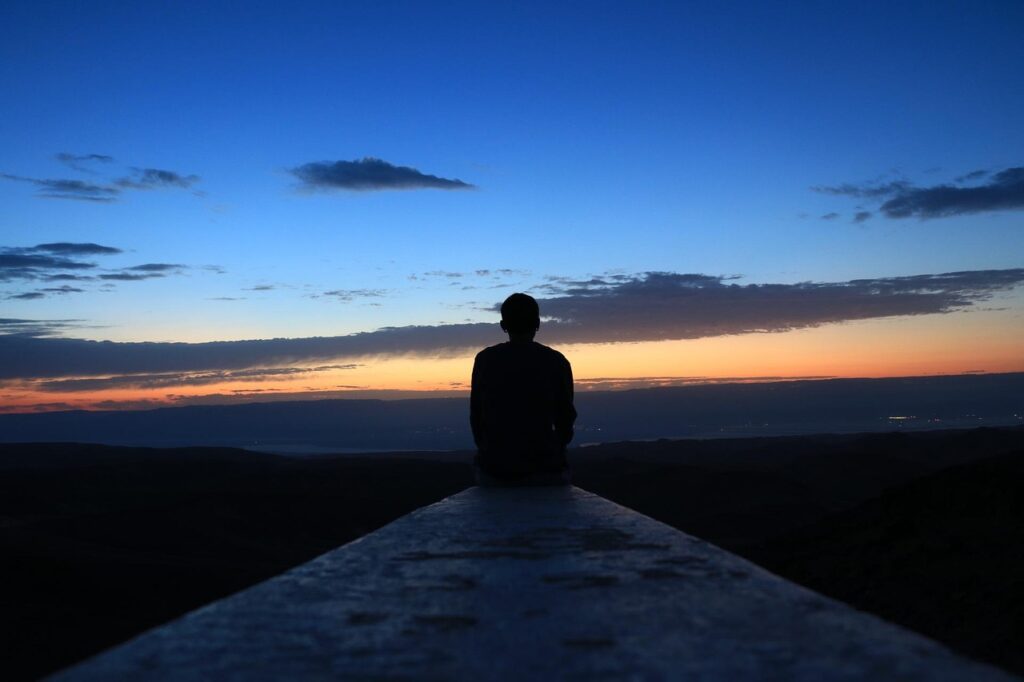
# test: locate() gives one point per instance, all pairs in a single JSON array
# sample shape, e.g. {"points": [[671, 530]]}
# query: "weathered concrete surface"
{"points": [[541, 583]]}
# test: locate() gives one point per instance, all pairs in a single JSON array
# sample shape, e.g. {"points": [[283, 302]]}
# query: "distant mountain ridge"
{"points": [[703, 411]]}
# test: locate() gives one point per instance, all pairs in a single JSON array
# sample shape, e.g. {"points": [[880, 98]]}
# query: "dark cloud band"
{"points": [[656, 306]]}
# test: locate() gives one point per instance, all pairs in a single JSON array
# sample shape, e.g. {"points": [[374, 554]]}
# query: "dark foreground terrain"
{"points": [[98, 543]]}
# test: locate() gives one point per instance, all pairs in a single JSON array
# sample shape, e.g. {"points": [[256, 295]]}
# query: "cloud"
{"points": [[369, 174], [347, 295], [865, 191], [653, 306], [76, 249], [137, 273], [65, 289], [48, 263], [156, 267], [68, 189], [861, 216], [661, 306], [130, 276], [28, 264], [261, 287], [79, 161], [973, 175], [1003, 191], [166, 380], [68, 278], [830, 216], [493, 274], [156, 178], [51, 262], [82, 190], [13, 326]]}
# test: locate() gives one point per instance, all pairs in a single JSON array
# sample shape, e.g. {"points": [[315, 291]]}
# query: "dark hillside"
{"points": [[943, 555], [99, 543]]}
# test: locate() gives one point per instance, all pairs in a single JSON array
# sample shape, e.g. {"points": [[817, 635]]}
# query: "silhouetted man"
{"points": [[521, 404]]}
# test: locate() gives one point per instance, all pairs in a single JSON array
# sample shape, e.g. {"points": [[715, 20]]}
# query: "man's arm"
{"points": [[476, 403], [565, 412]]}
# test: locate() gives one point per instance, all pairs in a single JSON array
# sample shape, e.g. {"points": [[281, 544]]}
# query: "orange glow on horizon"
{"points": [[956, 343]]}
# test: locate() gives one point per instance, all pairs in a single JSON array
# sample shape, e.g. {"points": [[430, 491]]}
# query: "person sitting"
{"points": [[521, 404]]}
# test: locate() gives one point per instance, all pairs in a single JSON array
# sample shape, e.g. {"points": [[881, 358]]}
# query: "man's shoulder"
{"points": [[489, 352], [502, 349], [551, 353]]}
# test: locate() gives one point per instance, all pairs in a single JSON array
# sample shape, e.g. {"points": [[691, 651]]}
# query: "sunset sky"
{"points": [[216, 202]]}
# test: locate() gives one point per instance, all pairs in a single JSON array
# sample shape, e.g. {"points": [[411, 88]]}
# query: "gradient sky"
{"points": [[822, 165]]}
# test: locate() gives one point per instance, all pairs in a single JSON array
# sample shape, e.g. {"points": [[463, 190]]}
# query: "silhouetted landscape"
{"points": [[101, 542], [275, 275]]}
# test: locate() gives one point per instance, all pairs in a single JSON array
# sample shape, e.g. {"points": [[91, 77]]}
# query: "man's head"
{"points": [[520, 315]]}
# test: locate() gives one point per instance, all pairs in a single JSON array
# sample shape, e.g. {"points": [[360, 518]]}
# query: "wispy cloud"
{"points": [[369, 174], [63, 188], [64, 289], [156, 178], [62, 262], [81, 162], [653, 306], [36, 262], [173, 379], [864, 191], [130, 276], [77, 249], [67, 278], [157, 267], [1003, 191], [13, 326], [101, 192], [348, 295]]}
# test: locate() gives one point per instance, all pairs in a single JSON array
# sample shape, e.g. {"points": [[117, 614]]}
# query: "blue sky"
{"points": [[600, 138]]}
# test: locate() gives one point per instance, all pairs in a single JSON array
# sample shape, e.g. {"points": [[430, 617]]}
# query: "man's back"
{"points": [[521, 409]]}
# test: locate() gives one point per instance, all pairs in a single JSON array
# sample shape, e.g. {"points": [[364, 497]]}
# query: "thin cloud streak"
{"points": [[141, 179], [149, 381], [79, 162], [63, 188], [156, 178]]}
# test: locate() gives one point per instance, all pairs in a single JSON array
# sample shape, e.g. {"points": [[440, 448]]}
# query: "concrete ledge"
{"points": [[539, 583]]}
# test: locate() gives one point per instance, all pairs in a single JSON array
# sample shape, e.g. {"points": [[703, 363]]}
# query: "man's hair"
{"points": [[520, 313]]}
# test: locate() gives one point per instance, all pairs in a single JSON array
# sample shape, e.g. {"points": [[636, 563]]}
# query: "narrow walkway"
{"points": [[541, 583]]}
